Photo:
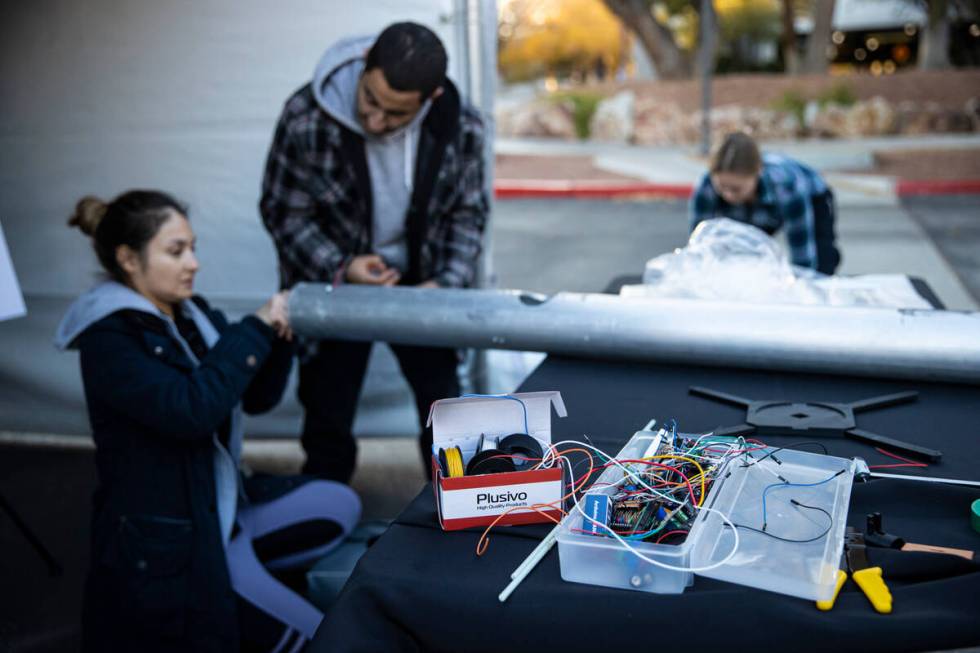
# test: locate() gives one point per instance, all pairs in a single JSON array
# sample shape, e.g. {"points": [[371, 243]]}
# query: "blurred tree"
{"points": [[787, 40], [668, 30], [815, 59], [564, 38], [934, 46], [649, 21], [751, 32], [937, 48]]}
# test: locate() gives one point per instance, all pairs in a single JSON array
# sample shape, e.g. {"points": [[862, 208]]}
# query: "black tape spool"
{"points": [[521, 444], [489, 461]]}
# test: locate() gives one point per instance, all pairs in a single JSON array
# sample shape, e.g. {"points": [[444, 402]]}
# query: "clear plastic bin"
{"points": [[604, 561], [806, 570]]}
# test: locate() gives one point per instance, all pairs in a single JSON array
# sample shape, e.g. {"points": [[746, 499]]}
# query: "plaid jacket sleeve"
{"points": [[703, 203], [288, 210], [461, 247], [801, 233], [793, 190]]}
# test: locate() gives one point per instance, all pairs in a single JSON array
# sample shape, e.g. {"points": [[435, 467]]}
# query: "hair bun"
{"points": [[88, 214]]}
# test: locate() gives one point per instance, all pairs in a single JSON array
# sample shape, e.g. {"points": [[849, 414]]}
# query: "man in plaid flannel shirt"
{"points": [[375, 175], [770, 192]]}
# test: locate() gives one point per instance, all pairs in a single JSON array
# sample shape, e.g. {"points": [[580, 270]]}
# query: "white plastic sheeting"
{"points": [[730, 261]]}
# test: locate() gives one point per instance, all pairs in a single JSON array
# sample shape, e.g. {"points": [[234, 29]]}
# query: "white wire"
{"points": [[626, 545]]}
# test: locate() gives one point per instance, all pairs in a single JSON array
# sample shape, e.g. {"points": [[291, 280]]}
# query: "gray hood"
{"points": [[335, 87], [390, 157], [99, 302], [335, 79]]}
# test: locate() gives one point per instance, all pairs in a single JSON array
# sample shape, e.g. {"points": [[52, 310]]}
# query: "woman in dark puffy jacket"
{"points": [[181, 545]]}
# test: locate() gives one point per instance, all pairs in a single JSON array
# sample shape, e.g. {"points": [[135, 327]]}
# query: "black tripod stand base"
{"points": [[54, 569], [814, 418]]}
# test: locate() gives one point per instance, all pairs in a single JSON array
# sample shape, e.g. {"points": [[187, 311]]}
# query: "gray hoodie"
{"points": [[390, 158]]}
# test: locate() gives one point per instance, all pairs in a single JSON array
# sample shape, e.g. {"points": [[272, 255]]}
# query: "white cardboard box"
{"points": [[468, 501]]}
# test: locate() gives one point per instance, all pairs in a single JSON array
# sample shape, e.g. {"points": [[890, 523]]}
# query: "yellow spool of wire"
{"points": [[451, 460]]}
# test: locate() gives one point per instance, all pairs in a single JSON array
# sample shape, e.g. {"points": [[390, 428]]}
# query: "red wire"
{"points": [[905, 461], [668, 534], [897, 457], [895, 465]]}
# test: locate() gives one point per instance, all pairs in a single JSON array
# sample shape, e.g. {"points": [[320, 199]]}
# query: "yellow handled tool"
{"points": [[873, 586], [868, 578], [829, 603]]}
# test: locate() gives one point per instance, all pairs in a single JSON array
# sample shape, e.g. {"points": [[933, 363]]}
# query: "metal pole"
{"points": [[706, 66], [477, 38], [878, 342]]}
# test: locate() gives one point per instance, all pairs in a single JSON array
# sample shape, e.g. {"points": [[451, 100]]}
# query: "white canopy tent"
{"points": [[106, 95]]}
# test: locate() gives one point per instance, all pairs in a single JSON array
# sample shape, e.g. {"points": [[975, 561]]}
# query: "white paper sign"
{"points": [[495, 499], [11, 301]]}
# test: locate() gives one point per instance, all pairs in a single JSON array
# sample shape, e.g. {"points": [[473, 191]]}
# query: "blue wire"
{"points": [[788, 484], [523, 405]]}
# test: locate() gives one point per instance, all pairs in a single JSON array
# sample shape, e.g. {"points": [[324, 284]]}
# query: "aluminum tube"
{"points": [[879, 342]]}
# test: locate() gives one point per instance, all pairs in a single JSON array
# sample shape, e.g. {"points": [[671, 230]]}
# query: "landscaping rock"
{"points": [[656, 122], [647, 119], [541, 119], [614, 118], [972, 108], [874, 117], [932, 118], [952, 121], [830, 122]]}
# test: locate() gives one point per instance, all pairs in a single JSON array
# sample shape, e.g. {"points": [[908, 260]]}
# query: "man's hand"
{"points": [[431, 283], [371, 269]]}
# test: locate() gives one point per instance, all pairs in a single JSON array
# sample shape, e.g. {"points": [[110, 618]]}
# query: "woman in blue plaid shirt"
{"points": [[770, 192]]}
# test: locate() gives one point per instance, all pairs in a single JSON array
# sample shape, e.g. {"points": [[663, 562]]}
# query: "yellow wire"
{"points": [[690, 460], [454, 462]]}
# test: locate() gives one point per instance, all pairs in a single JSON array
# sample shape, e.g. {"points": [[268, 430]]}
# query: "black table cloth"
{"points": [[421, 589]]}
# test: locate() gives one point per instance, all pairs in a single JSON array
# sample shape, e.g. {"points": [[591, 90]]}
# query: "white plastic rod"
{"points": [[926, 479], [530, 562], [880, 342], [539, 551]]}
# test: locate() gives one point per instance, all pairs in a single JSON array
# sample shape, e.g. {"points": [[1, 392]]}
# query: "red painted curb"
{"points": [[557, 188], [514, 189], [907, 187]]}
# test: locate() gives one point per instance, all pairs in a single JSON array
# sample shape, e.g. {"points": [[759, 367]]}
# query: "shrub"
{"points": [[840, 93], [792, 102], [583, 105]]}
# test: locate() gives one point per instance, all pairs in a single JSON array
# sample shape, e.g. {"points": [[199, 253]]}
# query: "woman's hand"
{"points": [[275, 313]]}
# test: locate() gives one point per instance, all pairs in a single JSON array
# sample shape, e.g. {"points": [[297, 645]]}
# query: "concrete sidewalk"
{"points": [[621, 169]]}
